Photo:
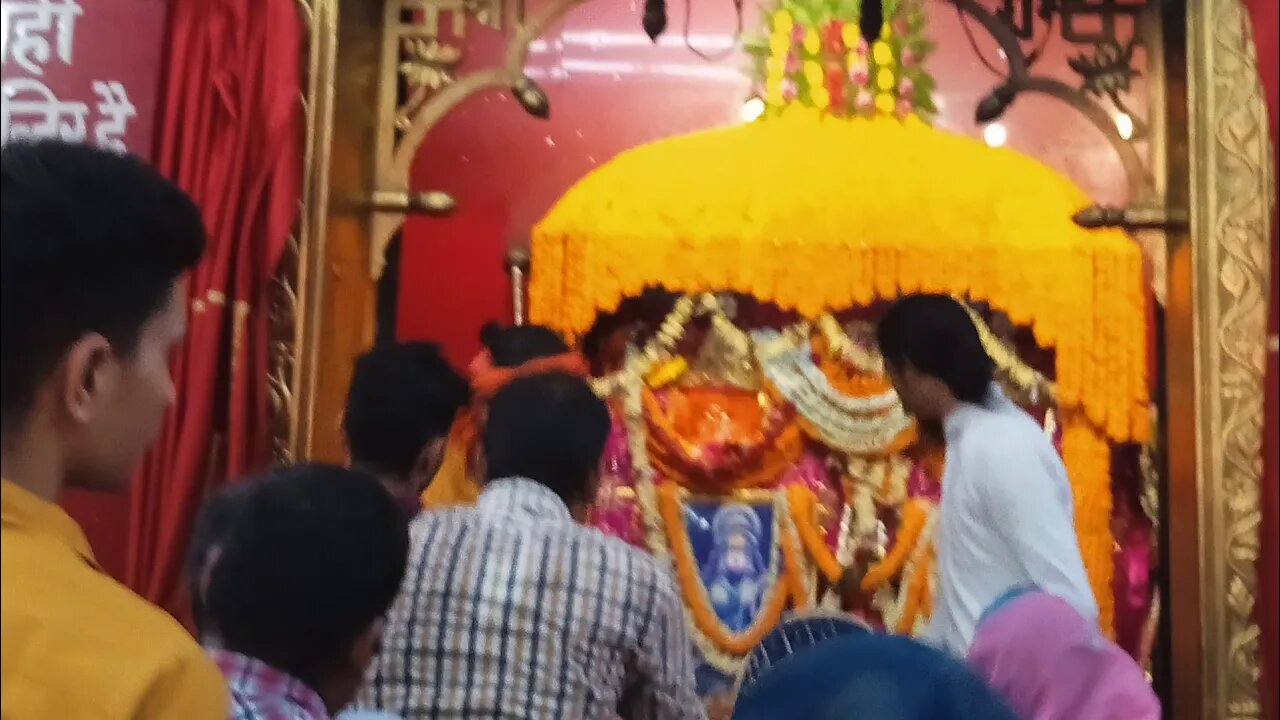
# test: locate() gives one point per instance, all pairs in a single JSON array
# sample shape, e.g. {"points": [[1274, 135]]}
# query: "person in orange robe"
{"points": [[509, 352]]}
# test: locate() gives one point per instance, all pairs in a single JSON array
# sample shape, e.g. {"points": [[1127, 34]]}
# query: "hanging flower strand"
{"points": [[813, 54]]}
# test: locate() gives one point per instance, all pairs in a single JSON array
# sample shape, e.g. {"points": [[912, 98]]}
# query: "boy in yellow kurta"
{"points": [[94, 245]]}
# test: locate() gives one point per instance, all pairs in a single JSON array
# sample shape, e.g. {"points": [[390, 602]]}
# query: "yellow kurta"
{"points": [[77, 644]]}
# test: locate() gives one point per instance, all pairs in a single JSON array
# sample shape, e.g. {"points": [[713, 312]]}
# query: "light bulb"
{"points": [[995, 134], [751, 110], [1124, 124]]}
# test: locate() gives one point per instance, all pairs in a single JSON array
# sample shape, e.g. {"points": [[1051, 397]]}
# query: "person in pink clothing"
{"points": [[1049, 663]]}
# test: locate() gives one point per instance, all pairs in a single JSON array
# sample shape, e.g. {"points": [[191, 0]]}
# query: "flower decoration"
{"points": [[882, 77]]}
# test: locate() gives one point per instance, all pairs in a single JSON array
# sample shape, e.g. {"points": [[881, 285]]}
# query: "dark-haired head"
{"points": [[934, 355], [93, 248], [550, 428], [513, 346], [213, 525], [402, 401], [305, 577]]}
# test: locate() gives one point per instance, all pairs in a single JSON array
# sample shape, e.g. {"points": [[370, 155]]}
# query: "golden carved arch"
{"points": [[1216, 311]]}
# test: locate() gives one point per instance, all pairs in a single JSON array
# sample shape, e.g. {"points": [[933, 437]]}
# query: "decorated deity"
{"points": [[735, 570], [759, 450]]}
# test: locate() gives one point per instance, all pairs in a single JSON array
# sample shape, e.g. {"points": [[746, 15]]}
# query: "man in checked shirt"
{"points": [[514, 609]]}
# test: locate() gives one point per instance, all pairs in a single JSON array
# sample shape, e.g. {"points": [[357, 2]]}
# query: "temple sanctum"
{"points": [[714, 201]]}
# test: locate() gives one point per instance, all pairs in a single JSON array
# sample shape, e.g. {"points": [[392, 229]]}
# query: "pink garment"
{"points": [[1049, 663]]}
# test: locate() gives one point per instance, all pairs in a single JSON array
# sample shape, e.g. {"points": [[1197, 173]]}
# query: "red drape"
{"points": [[1263, 16], [229, 132]]}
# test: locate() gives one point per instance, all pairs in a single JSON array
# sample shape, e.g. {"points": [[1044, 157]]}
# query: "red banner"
{"points": [[84, 71]]}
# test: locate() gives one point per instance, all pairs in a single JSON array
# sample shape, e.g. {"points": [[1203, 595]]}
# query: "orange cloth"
{"points": [[455, 483], [719, 439], [77, 644], [487, 379]]}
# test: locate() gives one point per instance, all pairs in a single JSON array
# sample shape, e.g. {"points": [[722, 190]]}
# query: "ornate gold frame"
{"points": [[1219, 283], [1215, 316]]}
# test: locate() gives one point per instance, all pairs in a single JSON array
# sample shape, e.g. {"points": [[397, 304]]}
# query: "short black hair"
{"points": [[550, 428], [935, 335], [212, 526], [90, 241], [315, 556], [516, 345], [402, 395]]}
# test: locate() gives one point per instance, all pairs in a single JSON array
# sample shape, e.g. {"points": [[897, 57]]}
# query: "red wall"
{"points": [[611, 89], [111, 41]]}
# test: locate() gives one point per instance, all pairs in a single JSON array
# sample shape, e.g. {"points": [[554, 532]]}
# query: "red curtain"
{"points": [[229, 131], [1263, 16]]}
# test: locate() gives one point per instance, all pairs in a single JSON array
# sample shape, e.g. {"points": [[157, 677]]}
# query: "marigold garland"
{"points": [[916, 591], [1087, 455], [915, 516], [901, 610], [695, 594], [813, 53], [857, 415], [800, 501], [802, 593]]}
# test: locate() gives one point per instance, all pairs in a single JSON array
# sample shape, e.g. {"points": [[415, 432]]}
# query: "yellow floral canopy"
{"points": [[815, 213]]}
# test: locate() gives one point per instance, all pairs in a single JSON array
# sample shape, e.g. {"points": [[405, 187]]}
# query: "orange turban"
{"points": [[487, 379]]}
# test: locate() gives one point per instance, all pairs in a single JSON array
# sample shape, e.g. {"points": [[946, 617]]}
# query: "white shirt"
{"points": [[1006, 520]]}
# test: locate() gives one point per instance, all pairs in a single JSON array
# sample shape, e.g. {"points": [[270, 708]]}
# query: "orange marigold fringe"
{"points": [[915, 515], [801, 501], [791, 565], [758, 208], [695, 599], [1087, 455]]}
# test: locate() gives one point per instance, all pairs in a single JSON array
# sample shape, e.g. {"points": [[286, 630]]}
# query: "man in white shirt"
{"points": [[1006, 520]]}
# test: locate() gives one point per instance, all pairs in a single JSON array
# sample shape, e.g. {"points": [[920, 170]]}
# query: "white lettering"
{"points": [[26, 24], [30, 110], [114, 113]]}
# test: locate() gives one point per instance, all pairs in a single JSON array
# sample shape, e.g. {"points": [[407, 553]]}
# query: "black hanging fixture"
{"points": [[532, 98], [655, 18], [872, 20], [994, 104]]}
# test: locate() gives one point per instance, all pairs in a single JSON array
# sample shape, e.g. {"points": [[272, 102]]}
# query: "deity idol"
{"points": [[735, 571]]}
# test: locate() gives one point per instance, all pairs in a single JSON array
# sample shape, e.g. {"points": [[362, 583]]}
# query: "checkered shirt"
{"points": [[261, 692], [511, 610]]}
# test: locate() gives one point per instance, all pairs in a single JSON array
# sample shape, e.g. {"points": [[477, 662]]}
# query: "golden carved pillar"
{"points": [[1219, 278], [380, 76]]}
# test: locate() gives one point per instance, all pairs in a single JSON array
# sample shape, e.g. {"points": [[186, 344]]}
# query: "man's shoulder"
{"points": [[642, 569], [1005, 431], [94, 609], [80, 630], [445, 525]]}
